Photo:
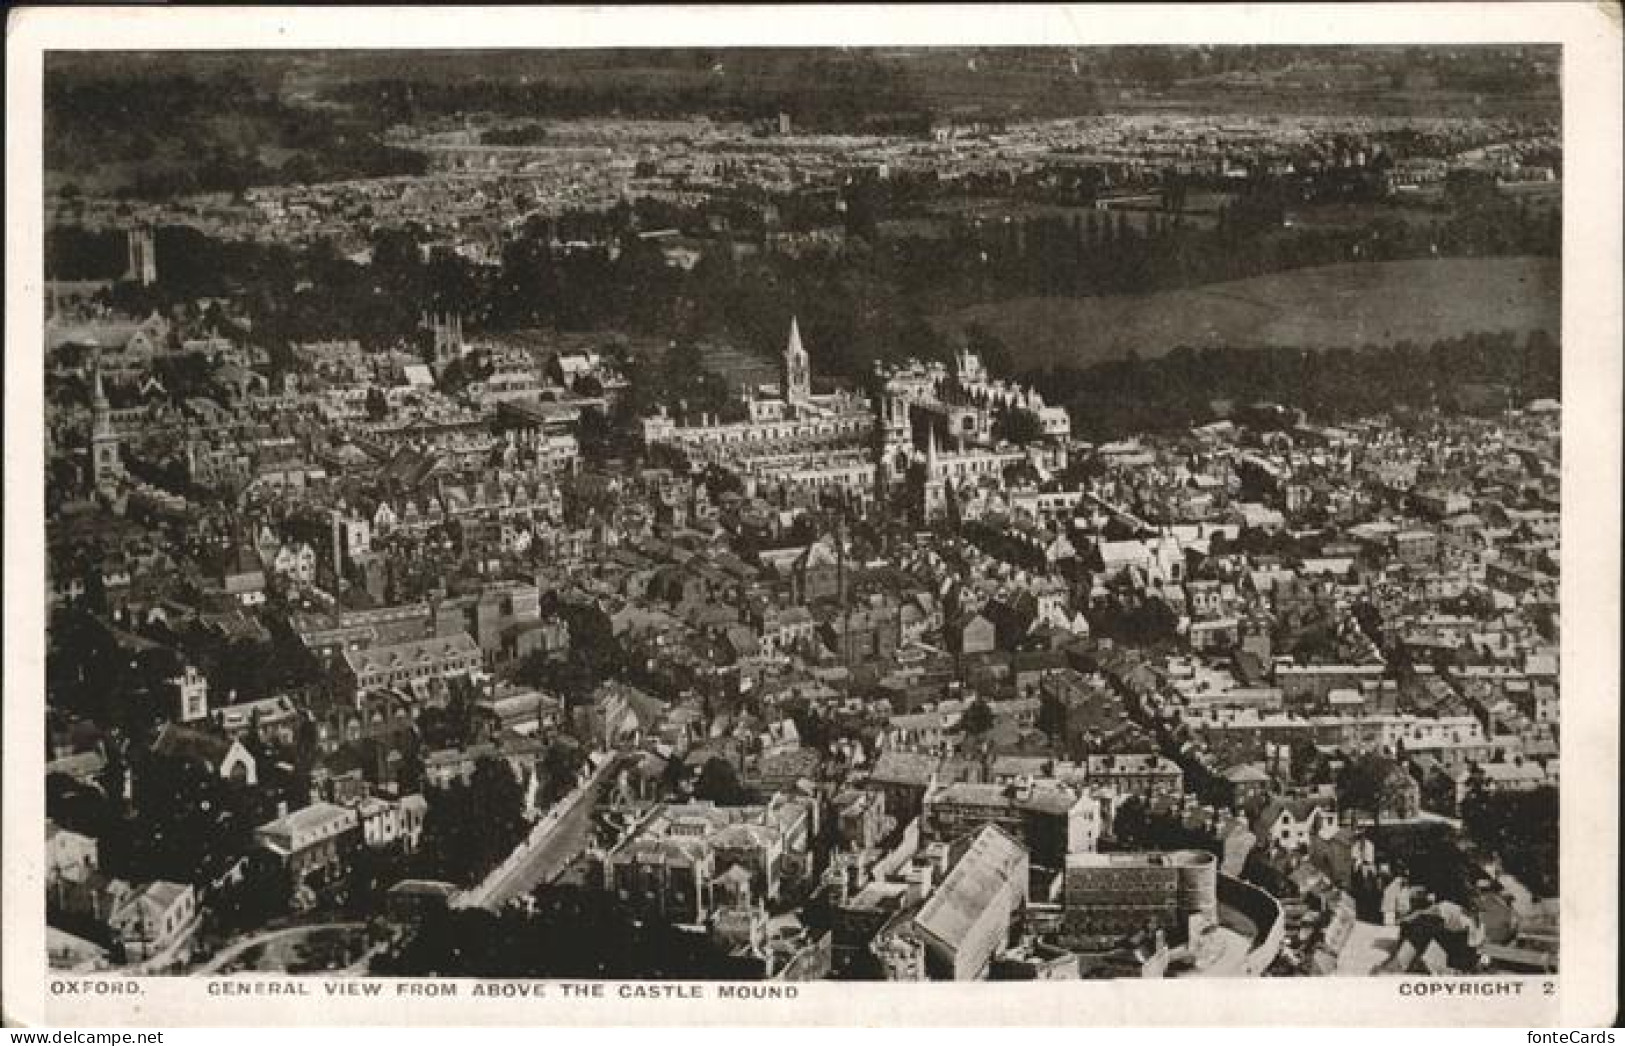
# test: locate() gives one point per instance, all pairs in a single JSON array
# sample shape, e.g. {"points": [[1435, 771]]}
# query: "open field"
{"points": [[1331, 306]]}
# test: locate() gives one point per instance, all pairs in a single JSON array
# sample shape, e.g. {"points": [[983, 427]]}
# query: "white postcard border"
{"points": [[1586, 990]]}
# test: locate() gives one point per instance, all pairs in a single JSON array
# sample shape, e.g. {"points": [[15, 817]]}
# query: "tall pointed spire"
{"points": [[101, 408], [797, 370], [104, 441]]}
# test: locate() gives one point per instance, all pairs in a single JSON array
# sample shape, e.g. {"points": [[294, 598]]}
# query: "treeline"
{"points": [[288, 294], [853, 309], [1088, 252], [1473, 372], [1490, 70], [571, 933], [818, 91], [74, 252], [522, 134], [869, 302], [167, 136], [223, 169]]}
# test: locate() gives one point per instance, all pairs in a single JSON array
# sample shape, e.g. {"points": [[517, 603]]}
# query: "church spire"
{"points": [[101, 409], [794, 346], [98, 396], [797, 371], [104, 441]]}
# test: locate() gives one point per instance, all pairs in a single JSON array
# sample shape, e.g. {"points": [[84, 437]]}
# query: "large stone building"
{"points": [[314, 843], [413, 666], [967, 919], [1107, 896], [676, 863], [1051, 820]]}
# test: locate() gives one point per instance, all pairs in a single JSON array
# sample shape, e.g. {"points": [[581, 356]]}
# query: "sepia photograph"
{"points": [[757, 515]]}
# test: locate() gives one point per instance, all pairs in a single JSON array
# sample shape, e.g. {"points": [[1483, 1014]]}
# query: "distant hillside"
{"points": [[1331, 306], [157, 130], [163, 123]]}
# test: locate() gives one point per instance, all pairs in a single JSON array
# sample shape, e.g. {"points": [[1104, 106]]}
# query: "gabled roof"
{"points": [[308, 819], [1300, 810], [906, 768], [989, 868]]}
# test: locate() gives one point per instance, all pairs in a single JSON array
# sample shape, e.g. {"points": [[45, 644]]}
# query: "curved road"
{"points": [[231, 953]]}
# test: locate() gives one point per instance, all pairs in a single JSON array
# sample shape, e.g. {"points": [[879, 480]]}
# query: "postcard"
{"points": [[868, 515]]}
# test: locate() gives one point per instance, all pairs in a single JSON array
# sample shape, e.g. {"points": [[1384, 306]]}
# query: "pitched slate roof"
{"points": [[988, 867]]}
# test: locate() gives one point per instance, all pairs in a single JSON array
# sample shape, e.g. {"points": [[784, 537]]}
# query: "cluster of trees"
{"points": [[471, 828], [595, 654], [1522, 828], [186, 822], [1017, 426], [90, 675], [199, 147], [1134, 620], [1370, 783], [685, 386], [1178, 390], [458, 723], [264, 893], [854, 310], [286, 294], [1137, 825], [718, 782], [976, 720], [1431, 855], [824, 91], [519, 134], [127, 684], [605, 942], [1088, 252]]}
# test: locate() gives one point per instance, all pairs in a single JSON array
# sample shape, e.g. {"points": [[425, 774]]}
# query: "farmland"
{"points": [[1333, 306]]}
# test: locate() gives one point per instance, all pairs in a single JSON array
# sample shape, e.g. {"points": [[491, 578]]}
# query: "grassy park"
{"points": [[1332, 306]]}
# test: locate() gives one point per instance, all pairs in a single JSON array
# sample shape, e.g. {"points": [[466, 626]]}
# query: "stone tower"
{"points": [[449, 345], [143, 257], [105, 467]]}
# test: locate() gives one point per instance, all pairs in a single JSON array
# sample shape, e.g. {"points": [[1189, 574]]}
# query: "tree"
{"points": [[1129, 824], [719, 783], [264, 893], [1306, 761], [377, 405], [1052, 716], [561, 765], [1018, 426], [1371, 783], [1520, 827], [471, 828], [977, 719]]}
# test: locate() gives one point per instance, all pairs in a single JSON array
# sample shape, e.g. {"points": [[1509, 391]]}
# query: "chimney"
{"points": [[282, 809]]}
